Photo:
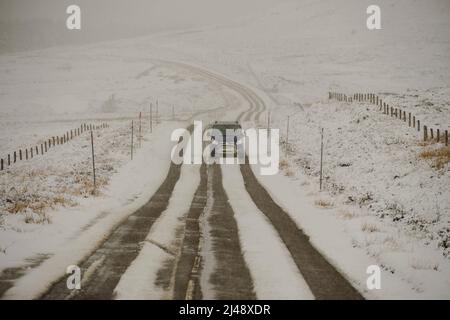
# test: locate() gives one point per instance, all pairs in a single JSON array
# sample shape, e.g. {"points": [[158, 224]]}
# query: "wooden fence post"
{"points": [[425, 133], [15, 157], [93, 160], [438, 135], [37, 150], [132, 133], [26, 154], [431, 133], [45, 144], [1, 164], [418, 125], [9, 159], [321, 157], [20, 154], [31, 152], [446, 137], [42, 149], [414, 121], [140, 129], [151, 117]]}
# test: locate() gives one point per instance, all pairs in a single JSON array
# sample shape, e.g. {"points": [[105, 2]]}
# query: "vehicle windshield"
{"points": [[230, 131]]}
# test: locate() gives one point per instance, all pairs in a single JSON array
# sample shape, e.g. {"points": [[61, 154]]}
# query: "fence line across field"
{"points": [[41, 149], [413, 122], [47, 144]]}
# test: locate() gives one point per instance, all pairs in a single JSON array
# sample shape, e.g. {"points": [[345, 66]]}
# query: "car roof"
{"points": [[233, 124]]}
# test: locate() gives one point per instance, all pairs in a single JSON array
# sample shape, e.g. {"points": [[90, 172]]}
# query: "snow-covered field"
{"points": [[38, 196], [389, 205]]}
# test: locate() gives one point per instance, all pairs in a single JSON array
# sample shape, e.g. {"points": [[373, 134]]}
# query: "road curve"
{"points": [[231, 278]]}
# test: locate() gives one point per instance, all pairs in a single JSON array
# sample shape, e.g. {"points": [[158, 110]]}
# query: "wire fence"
{"points": [[48, 144], [429, 133]]}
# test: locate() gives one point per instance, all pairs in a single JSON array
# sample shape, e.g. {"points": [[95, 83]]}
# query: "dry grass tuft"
{"points": [[37, 218], [424, 264], [289, 173], [323, 203], [439, 157], [347, 215], [283, 164], [38, 206], [369, 227]]}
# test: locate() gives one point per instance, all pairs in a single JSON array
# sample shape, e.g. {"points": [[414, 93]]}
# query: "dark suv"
{"points": [[229, 139]]}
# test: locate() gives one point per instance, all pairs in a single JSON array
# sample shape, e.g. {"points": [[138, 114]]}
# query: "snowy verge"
{"points": [[274, 273], [128, 190], [406, 273]]}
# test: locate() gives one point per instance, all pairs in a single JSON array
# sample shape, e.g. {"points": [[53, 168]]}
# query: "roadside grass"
{"points": [[439, 157], [322, 203], [424, 264], [369, 227]]}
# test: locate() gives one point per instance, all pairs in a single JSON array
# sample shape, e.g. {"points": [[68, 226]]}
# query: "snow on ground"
{"points": [[372, 161], [36, 195], [139, 281], [380, 198], [75, 231], [294, 53], [352, 239], [274, 273]]}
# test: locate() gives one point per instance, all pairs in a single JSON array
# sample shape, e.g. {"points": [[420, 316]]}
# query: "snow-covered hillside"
{"points": [[392, 204]]}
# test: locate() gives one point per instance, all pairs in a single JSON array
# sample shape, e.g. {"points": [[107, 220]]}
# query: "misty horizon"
{"points": [[26, 24]]}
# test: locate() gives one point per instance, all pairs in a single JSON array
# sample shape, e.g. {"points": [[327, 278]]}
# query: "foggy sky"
{"points": [[142, 13], [30, 24]]}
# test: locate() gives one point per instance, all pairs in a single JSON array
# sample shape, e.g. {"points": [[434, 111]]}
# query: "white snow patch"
{"points": [[274, 273]]}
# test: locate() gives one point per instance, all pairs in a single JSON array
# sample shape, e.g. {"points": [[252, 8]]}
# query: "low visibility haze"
{"points": [[28, 24]]}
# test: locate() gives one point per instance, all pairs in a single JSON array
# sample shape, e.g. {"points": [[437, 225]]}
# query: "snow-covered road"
{"points": [[181, 234]]}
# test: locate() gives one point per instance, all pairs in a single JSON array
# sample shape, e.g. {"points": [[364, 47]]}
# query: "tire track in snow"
{"points": [[186, 273], [231, 277], [325, 281], [274, 272], [144, 278], [120, 248], [211, 264], [256, 104]]}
